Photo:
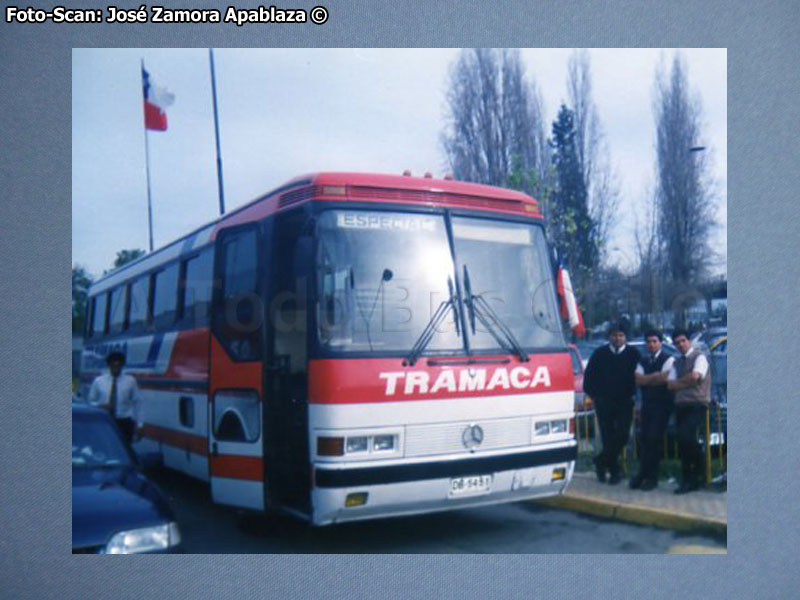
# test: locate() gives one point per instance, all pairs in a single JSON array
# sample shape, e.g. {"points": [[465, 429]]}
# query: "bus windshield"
{"points": [[382, 275], [507, 268]]}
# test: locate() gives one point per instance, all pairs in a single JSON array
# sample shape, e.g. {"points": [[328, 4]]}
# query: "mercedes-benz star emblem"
{"points": [[472, 436]]}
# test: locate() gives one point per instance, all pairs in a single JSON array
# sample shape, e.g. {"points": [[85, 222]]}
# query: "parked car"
{"points": [[115, 508], [719, 387], [719, 345], [586, 347], [582, 402], [709, 337]]}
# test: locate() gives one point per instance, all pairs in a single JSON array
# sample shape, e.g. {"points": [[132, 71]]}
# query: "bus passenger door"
{"points": [[286, 374], [235, 411]]}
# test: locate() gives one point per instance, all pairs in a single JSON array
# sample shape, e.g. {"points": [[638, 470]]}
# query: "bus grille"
{"points": [[296, 196], [446, 438]]}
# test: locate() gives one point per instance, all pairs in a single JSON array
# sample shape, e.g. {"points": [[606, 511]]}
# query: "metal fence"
{"points": [[713, 437]]}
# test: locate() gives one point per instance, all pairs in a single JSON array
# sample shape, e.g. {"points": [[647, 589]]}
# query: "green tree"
{"points": [[81, 280], [126, 256], [573, 230]]}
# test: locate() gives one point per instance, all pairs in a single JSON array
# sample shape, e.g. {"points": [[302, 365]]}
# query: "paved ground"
{"points": [[526, 527], [703, 510], [704, 503]]}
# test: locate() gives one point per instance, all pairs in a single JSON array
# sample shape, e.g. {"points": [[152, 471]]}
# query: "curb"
{"points": [[636, 513]]}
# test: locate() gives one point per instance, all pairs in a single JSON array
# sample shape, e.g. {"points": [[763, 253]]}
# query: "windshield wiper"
{"points": [[425, 337], [478, 306]]}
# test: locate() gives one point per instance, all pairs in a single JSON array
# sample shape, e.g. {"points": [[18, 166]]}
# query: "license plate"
{"points": [[470, 486]]}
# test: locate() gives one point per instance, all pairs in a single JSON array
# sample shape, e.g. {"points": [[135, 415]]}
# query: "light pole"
{"points": [[693, 151]]}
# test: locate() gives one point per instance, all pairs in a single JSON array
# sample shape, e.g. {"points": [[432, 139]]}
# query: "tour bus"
{"points": [[351, 346]]}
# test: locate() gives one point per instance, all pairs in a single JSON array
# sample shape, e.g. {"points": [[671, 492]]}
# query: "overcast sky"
{"points": [[286, 112]]}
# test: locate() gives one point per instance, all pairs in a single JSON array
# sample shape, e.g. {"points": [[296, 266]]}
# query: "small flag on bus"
{"points": [[156, 101]]}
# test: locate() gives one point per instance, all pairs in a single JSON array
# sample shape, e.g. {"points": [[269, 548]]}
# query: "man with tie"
{"points": [[609, 381], [118, 393], [651, 375]]}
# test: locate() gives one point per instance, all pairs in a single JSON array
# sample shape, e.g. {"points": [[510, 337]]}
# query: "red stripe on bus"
{"points": [[178, 439], [189, 357], [354, 381], [227, 374], [250, 468]]}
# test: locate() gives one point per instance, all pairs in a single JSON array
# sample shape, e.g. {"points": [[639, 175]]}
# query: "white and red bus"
{"points": [[351, 346]]}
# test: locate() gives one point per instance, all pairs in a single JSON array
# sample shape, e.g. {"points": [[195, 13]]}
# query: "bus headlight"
{"points": [[358, 443], [383, 443]]}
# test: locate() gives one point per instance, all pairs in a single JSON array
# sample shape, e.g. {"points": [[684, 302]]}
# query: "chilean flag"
{"points": [[569, 307], [156, 101]]}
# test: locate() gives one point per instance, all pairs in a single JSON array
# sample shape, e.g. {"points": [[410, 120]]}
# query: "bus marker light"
{"points": [[333, 190], [560, 473], [356, 499], [330, 446]]}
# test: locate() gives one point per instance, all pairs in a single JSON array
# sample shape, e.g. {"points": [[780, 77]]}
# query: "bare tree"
{"points": [[685, 202], [592, 150], [650, 268], [494, 130]]}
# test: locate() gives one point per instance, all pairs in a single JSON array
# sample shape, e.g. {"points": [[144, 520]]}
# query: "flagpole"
{"points": [[216, 132], [147, 168]]}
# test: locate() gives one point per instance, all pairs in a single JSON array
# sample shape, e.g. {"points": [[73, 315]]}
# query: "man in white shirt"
{"points": [[691, 381], [118, 393], [651, 376]]}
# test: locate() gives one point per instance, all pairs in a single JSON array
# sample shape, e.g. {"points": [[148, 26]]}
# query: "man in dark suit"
{"points": [[609, 381], [657, 405]]}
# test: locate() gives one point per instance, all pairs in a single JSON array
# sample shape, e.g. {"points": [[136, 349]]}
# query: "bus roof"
{"points": [[334, 186]]}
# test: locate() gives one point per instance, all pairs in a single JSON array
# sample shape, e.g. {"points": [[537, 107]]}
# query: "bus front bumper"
{"points": [[422, 487]]}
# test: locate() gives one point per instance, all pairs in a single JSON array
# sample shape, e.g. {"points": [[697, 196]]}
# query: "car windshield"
{"points": [[95, 443], [382, 275]]}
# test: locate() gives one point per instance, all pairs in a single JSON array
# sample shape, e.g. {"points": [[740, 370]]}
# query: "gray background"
{"points": [[764, 83]]}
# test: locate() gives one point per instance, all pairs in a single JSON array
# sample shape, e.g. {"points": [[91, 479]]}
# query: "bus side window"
{"points": [[137, 316], [116, 312], [99, 314], [196, 288], [240, 314], [165, 296]]}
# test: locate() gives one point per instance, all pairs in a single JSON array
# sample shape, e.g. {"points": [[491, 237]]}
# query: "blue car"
{"points": [[115, 509]]}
